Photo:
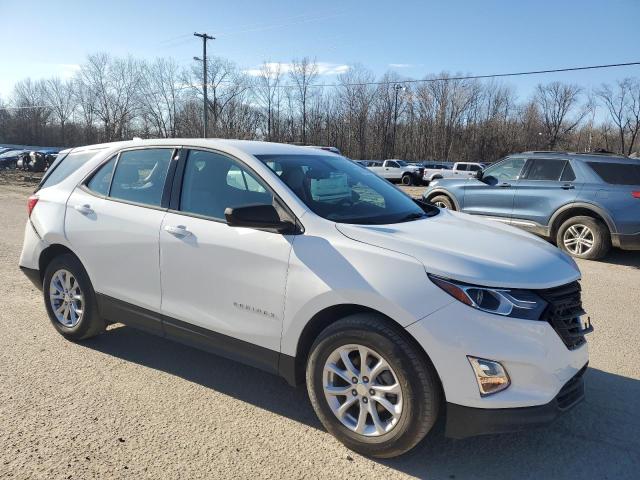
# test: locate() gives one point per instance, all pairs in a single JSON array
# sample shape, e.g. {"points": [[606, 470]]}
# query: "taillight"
{"points": [[31, 202], [635, 194]]}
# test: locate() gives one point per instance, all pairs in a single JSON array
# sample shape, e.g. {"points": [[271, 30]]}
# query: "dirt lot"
{"points": [[130, 405]]}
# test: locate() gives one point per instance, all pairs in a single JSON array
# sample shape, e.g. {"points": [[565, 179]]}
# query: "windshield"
{"points": [[338, 190], [402, 163]]}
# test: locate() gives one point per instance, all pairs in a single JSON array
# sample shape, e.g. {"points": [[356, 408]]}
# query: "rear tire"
{"points": [[70, 300], [442, 201], [584, 237], [407, 372]]}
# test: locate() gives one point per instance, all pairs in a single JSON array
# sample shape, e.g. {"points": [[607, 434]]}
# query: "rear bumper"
{"points": [[626, 242], [33, 275], [463, 422]]}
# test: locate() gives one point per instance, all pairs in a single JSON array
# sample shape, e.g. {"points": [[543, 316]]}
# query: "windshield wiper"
{"points": [[413, 216]]}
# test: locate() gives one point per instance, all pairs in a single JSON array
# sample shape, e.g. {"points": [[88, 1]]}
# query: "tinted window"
{"points": [[475, 168], [393, 164], [140, 175], [213, 182], [336, 189], [65, 166], [567, 174], [545, 169], [101, 180], [617, 173], [508, 170], [462, 167]]}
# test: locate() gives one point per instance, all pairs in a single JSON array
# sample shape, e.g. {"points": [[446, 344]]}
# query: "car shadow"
{"points": [[626, 258], [599, 438]]}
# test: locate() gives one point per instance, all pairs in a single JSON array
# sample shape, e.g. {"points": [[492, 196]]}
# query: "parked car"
{"points": [[585, 203], [398, 171], [299, 262], [457, 169], [9, 159]]}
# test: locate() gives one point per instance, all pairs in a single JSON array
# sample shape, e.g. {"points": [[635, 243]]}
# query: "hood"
{"points": [[472, 249]]}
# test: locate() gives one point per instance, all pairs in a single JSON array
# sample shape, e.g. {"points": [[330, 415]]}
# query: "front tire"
{"points": [[584, 237], [70, 300], [442, 201], [406, 179], [371, 387]]}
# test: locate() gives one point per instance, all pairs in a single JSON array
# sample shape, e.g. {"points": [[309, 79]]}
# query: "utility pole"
{"points": [[397, 87], [205, 116]]}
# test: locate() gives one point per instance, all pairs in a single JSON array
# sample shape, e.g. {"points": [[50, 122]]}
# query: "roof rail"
{"points": [[547, 152]]}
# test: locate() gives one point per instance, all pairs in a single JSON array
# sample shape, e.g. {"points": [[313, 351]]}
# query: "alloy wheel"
{"points": [[66, 298], [441, 205], [362, 390], [578, 239]]}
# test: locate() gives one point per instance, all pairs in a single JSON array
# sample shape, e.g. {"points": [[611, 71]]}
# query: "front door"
{"points": [[222, 286], [494, 194]]}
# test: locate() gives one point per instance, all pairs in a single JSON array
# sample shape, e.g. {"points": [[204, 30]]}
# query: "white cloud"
{"points": [[401, 65], [324, 68]]}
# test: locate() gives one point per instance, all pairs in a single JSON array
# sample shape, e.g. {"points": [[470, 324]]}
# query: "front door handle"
{"points": [[568, 186], [504, 185], [178, 231], [84, 209]]}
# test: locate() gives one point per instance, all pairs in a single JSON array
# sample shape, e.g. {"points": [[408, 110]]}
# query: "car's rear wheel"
{"points": [[70, 300], [371, 387], [584, 237], [442, 201]]}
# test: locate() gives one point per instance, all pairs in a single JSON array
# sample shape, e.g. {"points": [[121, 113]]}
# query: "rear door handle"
{"points": [[568, 186], [504, 185], [84, 209], [178, 231]]}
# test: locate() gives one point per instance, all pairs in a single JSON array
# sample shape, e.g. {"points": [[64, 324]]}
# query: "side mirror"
{"points": [[261, 217]]}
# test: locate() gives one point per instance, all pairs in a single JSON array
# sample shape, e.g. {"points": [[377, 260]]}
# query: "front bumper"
{"points": [[626, 242], [463, 422]]}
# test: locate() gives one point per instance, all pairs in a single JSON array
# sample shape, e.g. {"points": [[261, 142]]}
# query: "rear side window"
{"points": [[65, 166], [100, 182], [462, 167], [546, 169], [617, 173], [140, 175]]}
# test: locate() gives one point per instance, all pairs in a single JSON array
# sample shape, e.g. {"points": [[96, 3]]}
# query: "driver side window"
{"points": [[507, 170]]}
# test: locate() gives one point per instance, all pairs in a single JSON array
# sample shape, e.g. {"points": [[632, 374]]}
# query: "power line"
{"points": [[410, 81]]}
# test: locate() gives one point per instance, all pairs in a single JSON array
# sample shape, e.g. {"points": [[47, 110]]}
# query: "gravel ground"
{"points": [[130, 405]]}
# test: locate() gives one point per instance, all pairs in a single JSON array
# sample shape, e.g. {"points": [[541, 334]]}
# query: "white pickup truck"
{"points": [[459, 170], [398, 170]]}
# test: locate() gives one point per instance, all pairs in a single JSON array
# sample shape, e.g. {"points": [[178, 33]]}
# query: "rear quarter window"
{"points": [[617, 173], [65, 166]]}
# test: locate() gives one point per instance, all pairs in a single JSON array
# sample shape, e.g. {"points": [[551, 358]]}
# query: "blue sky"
{"points": [[413, 38]]}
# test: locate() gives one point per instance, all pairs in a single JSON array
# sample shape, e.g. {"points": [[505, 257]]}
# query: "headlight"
{"points": [[515, 303]]}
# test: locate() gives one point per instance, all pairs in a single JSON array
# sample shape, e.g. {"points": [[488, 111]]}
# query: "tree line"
{"points": [[443, 118]]}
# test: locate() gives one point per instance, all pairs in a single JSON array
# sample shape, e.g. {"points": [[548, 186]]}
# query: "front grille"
{"points": [[572, 391], [563, 313]]}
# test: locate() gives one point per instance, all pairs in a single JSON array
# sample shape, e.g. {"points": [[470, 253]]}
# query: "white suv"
{"points": [[300, 262]]}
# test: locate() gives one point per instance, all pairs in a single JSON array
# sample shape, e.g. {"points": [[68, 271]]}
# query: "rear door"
{"points": [[494, 194], [546, 185], [113, 222]]}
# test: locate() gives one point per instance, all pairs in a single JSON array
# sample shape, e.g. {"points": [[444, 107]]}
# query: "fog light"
{"points": [[491, 376]]}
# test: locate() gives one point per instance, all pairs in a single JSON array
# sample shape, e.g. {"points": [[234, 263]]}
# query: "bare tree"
{"points": [[60, 98], [303, 73], [160, 95], [556, 102], [266, 89], [623, 104]]}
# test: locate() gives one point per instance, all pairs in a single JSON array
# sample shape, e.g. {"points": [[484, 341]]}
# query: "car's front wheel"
{"points": [[584, 237], [371, 387], [70, 300], [442, 201]]}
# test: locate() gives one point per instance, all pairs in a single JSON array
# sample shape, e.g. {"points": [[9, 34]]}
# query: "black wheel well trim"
{"points": [[575, 209], [295, 371], [446, 193], [48, 254]]}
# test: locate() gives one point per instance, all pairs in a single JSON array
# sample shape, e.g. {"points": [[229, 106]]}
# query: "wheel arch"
{"points": [[440, 191], [51, 252], [295, 372], [575, 209]]}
